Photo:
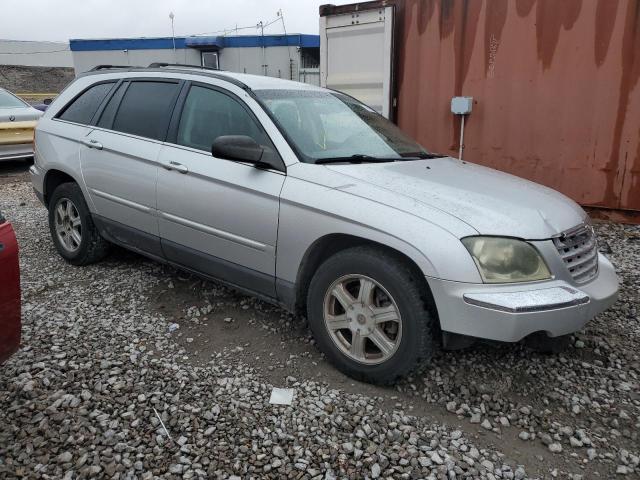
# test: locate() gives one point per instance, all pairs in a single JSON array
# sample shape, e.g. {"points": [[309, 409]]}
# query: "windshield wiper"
{"points": [[358, 158], [422, 155]]}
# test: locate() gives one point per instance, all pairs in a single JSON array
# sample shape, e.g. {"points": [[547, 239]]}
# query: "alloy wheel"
{"points": [[68, 225], [362, 319]]}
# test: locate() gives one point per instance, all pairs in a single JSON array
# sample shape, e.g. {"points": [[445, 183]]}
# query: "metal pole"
{"points": [[173, 38], [461, 137], [281, 15], [264, 58]]}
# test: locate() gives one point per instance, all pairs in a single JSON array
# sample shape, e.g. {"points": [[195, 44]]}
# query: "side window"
{"points": [[208, 114], [109, 111], [145, 109], [84, 107]]}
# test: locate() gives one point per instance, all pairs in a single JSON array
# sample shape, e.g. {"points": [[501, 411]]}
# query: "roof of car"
{"points": [[262, 82], [253, 82]]}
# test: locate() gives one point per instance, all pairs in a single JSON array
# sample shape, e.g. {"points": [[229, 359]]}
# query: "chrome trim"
{"points": [[578, 249], [529, 300], [16, 157], [122, 201], [247, 242]]}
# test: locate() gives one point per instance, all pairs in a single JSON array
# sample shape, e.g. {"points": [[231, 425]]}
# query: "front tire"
{"points": [[370, 315], [72, 229], [542, 343]]}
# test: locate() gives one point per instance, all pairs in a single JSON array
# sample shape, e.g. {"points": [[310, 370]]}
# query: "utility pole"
{"points": [[286, 38], [173, 37], [264, 59]]}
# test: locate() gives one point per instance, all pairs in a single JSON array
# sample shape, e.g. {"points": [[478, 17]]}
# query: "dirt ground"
{"points": [[243, 328]]}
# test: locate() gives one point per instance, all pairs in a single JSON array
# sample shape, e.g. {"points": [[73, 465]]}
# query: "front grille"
{"points": [[579, 251]]}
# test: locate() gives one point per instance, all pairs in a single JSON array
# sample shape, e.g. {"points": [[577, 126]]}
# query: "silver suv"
{"points": [[307, 198]]}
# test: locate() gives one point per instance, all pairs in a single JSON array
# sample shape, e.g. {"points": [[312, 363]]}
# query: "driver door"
{"points": [[217, 217]]}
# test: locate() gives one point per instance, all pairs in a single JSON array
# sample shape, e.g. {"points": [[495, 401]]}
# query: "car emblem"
{"points": [[12, 118]]}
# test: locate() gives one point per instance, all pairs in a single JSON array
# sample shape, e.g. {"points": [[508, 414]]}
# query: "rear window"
{"points": [[84, 107], [145, 109]]}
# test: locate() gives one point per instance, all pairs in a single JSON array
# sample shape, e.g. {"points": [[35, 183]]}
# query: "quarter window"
{"points": [[84, 107], [209, 114], [145, 109]]}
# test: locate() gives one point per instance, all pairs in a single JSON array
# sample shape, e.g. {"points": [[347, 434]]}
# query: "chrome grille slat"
{"points": [[578, 260], [578, 249]]}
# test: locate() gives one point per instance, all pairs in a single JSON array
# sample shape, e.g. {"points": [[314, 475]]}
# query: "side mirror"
{"points": [[47, 101], [243, 148], [237, 147]]}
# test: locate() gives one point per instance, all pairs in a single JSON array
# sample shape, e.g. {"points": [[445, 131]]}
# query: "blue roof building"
{"points": [[293, 56]]}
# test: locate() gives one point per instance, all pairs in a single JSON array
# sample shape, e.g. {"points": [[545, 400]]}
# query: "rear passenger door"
{"points": [[119, 160], [216, 216]]}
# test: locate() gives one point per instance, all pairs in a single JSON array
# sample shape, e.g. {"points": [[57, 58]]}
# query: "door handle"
{"points": [[92, 144], [178, 167]]}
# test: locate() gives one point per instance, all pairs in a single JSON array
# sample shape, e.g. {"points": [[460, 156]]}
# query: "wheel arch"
{"points": [[331, 244], [54, 178]]}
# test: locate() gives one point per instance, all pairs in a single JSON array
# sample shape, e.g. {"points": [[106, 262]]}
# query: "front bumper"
{"points": [[509, 313]]}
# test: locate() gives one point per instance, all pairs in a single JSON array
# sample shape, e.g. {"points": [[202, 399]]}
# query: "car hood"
{"points": [[492, 202], [19, 114]]}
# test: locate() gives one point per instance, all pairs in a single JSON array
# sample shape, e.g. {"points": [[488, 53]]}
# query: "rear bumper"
{"points": [[509, 313], [17, 151], [37, 180]]}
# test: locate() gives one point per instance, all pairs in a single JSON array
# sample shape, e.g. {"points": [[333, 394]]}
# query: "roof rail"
{"points": [[212, 72], [164, 64], [105, 67]]}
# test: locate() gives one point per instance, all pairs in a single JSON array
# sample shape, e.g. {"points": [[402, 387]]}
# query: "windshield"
{"points": [[331, 125], [9, 101]]}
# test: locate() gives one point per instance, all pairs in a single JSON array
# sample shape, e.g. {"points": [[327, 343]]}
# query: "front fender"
{"points": [[310, 211]]}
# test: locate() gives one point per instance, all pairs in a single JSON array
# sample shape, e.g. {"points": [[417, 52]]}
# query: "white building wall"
{"points": [[85, 60], [250, 60], [35, 54], [233, 59]]}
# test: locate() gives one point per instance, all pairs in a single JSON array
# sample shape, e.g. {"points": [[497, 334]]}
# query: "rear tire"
{"points": [[382, 327], [72, 229]]}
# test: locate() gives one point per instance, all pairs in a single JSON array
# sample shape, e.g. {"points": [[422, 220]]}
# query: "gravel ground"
{"points": [[99, 359], [12, 171]]}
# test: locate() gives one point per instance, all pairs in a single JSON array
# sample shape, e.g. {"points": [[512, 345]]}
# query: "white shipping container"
{"points": [[356, 52]]}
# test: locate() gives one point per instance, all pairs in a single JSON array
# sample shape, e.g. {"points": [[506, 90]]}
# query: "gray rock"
{"points": [[65, 457], [555, 447]]}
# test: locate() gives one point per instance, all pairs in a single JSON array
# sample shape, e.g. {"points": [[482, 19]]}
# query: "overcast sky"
{"points": [[65, 19]]}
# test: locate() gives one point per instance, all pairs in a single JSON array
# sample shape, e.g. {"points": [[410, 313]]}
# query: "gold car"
{"points": [[17, 122]]}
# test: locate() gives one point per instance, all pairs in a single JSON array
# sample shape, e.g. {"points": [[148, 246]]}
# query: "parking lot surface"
{"points": [[110, 348]]}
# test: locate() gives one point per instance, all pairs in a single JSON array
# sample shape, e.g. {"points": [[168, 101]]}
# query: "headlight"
{"points": [[506, 260]]}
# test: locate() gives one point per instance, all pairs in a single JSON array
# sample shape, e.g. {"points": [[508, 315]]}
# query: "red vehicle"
{"points": [[10, 325]]}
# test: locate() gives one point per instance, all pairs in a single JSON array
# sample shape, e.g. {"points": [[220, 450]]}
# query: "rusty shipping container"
{"points": [[555, 83]]}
